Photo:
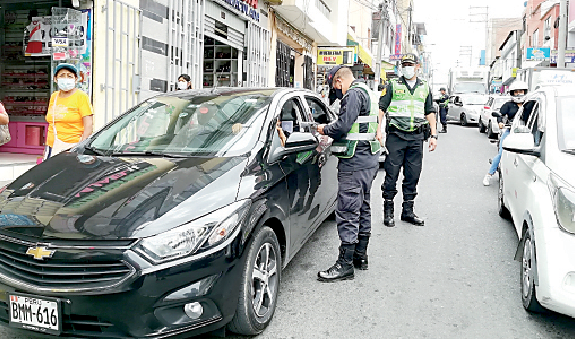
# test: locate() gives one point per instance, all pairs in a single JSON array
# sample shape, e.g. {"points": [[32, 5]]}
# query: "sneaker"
{"points": [[486, 179]]}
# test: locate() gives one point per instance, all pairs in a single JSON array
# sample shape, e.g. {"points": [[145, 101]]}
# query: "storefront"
{"points": [[296, 56], [36, 37], [236, 44]]}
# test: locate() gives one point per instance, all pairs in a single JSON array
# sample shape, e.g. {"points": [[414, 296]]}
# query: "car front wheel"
{"points": [[260, 284], [463, 119], [482, 127], [527, 272], [490, 133]]}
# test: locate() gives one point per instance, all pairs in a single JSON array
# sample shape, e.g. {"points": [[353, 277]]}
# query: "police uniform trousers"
{"points": [[402, 153], [443, 115], [353, 211]]}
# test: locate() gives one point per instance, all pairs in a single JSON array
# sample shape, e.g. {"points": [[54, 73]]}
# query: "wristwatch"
{"points": [[434, 136]]}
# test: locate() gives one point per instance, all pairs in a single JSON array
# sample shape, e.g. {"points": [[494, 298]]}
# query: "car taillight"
{"points": [[486, 107]]}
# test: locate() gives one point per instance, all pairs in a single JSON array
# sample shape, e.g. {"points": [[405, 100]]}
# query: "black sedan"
{"points": [[173, 220]]}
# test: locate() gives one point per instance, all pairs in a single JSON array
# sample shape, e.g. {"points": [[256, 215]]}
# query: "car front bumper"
{"points": [[151, 303]]}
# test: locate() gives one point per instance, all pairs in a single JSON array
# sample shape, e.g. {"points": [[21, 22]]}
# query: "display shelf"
{"points": [[220, 64]]}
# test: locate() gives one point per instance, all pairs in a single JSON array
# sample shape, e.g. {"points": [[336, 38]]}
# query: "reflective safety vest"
{"points": [[446, 102], [345, 148], [407, 111]]}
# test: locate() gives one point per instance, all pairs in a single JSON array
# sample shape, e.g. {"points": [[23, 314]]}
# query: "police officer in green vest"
{"points": [[407, 105], [443, 102], [355, 144]]}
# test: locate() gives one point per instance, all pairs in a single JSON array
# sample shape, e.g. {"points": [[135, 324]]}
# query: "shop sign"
{"points": [[247, 7], [294, 34], [395, 57], [398, 34], [60, 42], [538, 53], [335, 56], [569, 56]]}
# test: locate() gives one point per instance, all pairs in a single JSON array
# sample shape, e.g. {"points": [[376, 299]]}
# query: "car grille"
{"points": [[72, 272]]}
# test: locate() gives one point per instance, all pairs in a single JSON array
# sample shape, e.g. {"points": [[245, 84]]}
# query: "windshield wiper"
{"points": [[149, 154], [94, 150], [569, 151]]}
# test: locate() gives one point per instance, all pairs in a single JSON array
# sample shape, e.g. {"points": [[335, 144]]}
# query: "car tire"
{"points": [[490, 133], [482, 127], [463, 119], [503, 211], [527, 271], [260, 284]]}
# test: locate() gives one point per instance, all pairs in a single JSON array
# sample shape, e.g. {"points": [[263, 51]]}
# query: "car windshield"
{"points": [[566, 123], [217, 125], [470, 87], [474, 100], [497, 103]]}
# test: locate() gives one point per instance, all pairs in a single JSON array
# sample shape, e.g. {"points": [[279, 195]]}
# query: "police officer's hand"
{"points": [[379, 136], [501, 125], [320, 129], [432, 144]]}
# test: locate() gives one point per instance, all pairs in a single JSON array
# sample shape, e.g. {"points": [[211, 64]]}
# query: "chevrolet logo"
{"points": [[39, 252]]}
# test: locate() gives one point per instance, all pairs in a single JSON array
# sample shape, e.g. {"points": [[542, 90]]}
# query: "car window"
{"points": [[566, 123], [498, 103], [319, 112], [284, 123], [532, 124]]}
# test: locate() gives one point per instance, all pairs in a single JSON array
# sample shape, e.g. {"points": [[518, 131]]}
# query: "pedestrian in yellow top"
{"points": [[70, 114]]}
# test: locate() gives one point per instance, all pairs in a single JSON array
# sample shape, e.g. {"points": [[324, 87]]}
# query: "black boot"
{"points": [[343, 267], [388, 213], [408, 215], [360, 254]]}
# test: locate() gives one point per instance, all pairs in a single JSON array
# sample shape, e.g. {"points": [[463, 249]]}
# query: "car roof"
{"points": [[274, 91], [564, 90]]}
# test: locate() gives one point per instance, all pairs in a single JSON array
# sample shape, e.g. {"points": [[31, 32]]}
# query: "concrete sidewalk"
{"points": [[13, 165]]}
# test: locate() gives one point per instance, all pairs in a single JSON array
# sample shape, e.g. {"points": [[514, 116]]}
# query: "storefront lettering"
{"points": [[248, 8]]}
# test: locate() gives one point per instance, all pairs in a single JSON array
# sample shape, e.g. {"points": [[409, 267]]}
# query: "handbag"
{"points": [[4, 131], [58, 145], [4, 135]]}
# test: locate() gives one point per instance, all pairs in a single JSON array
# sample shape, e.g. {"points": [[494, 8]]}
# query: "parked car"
{"points": [[487, 122], [466, 108], [537, 190], [173, 220]]}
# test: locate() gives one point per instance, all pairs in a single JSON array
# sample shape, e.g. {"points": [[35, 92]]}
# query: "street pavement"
{"points": [[453, 278]]}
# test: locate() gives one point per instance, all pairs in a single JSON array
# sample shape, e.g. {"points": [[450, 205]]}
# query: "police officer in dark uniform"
{"points": [[355, 145], [408, 104], [442, 102]]}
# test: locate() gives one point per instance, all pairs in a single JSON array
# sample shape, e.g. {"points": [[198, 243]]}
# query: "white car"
{"points": [[487, 122], [537, 190], [466, 108]]}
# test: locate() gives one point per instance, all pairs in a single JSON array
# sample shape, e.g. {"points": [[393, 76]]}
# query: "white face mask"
{"points": [[66, 84], [182, 84], [408, 71]]}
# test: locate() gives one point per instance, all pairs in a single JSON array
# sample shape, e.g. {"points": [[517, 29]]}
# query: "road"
{"points": [[453, 278]]}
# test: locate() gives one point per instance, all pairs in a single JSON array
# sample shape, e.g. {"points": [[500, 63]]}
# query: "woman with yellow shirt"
{"points": [[70, 114]]}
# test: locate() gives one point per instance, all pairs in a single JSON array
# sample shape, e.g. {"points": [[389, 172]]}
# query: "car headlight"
{"points": [[563, 196], [209, 230]]}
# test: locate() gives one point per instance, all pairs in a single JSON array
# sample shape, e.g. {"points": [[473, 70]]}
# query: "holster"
{"points": [[426, 131]]}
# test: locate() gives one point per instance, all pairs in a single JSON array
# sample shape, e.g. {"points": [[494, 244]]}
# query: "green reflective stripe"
{"points": [[365, 119], [338, 148], [406, 110], [360, 136]]}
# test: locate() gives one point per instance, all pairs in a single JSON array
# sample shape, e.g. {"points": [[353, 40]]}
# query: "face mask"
{"points": [[408, 71], [518, 98], [182, 85], [65, 84]]}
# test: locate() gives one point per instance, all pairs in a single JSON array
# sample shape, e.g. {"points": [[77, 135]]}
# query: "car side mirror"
{"points": [[495, 114], [521, 143], [297, 142], [459, 103]]}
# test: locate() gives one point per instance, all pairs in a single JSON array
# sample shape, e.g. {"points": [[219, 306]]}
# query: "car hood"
{"points": [[563, 167], [81, 197]]}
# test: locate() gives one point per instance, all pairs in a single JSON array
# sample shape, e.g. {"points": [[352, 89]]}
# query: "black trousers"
{"points": [[443, 115], [402, 153], [353, 211]]}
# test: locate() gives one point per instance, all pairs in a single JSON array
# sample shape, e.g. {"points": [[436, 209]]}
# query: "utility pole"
{"points": [[562, 34], [485, 15], [382, 20]]}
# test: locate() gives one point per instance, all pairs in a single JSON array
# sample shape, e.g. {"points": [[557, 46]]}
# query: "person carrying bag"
{"points": [[4, 131], [70, 114]]}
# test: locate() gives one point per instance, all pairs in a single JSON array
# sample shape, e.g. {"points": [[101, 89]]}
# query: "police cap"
{"points": [[331, 74], [409, 58], [442, 89]]}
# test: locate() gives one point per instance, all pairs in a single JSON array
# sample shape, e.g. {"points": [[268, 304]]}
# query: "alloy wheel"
{"points": [[264, 280], [527, 263]]}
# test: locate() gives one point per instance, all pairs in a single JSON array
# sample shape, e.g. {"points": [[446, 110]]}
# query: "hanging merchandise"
{"points": [[37, 37], [67, 34]]}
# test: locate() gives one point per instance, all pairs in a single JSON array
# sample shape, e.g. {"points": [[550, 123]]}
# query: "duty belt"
{"points": [[419, 129]]}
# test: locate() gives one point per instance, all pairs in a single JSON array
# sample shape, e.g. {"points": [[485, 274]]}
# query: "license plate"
{"points": [[35, 313]]}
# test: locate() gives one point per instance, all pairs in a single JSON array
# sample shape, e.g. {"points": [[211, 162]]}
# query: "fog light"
{"points": [[194, 310]]}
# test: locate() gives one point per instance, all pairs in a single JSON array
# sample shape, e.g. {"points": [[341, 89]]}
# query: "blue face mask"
{"points": [[66, 84]]}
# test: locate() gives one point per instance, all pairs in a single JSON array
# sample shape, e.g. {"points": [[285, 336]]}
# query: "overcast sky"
{"points": [[449, 26]]}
